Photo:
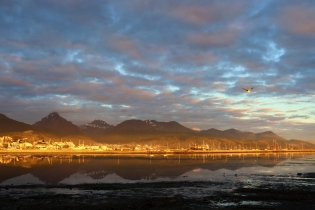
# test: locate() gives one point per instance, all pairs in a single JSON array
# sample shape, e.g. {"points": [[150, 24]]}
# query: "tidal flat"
{"points": [[278, 194]]}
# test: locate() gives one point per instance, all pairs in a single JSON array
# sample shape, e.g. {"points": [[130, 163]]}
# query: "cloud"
{"points": [[11, 81], [222, 38], [298, 19], [206, 12], [126, 46]]}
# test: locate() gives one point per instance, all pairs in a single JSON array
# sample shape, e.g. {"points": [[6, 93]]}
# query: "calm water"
{"points": [[228, 168], [210, 181]]}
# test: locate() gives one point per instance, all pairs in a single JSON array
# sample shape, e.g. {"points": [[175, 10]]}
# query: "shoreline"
{"points": [[171, 152]]}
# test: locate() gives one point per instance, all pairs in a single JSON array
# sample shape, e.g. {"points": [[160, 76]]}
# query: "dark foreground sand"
{"points": [[161, 195]]}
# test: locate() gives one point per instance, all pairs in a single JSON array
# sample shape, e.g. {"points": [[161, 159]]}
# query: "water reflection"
{"points": [[75, 169]]}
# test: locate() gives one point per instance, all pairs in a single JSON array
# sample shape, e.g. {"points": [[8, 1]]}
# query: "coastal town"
{"points": [[8, 143]]}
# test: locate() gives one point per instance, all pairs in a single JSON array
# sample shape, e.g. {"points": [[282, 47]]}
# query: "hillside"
{"points": [[57, 124], [10, 125], [149, 126], [20, 130], [96, 129], [239, 135]]}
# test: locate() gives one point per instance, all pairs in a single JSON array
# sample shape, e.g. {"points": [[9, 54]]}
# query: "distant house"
{"points": [[5, 139], [70, 144], [41, 145]]}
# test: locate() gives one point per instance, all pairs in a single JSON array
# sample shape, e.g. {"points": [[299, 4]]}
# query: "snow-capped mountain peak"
{"points": [[96, 124], [151, 122]]}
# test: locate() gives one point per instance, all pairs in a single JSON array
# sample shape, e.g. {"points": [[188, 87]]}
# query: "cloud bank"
{"points": [[181, 60]]}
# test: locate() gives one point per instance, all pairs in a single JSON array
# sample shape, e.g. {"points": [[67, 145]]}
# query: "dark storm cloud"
{"points": [[166, 60]]}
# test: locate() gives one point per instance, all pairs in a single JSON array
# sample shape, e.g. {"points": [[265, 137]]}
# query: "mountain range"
{"points": [[141, 131]]}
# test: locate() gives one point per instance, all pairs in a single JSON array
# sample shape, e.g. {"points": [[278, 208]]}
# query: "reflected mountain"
{"points": [[66, 169]]}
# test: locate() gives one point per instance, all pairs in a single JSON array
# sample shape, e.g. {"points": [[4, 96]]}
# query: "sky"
{"points": [[179, 60]]}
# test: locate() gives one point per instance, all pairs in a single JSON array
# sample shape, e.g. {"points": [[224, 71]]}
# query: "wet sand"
{"points": [[254, 191], [165, 195]]}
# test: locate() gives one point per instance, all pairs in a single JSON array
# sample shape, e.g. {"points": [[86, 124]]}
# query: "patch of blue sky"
{"points": [[6, 67], [145, 76], [8, 19], [234, 71], [271, 72], [231, 83], [216, 94], [231, 74], [125, 106], [106, 105], [18, 54], [79, 60], [73, 102], [194, 91], [258, 8], [95, 80], [120, 69], [238, 68], [200, 95], [224, 65], [297, 75], [247, 117], [128, 117], [114, 16], [150, 89], [221, 65], [273, 53], [71, 57], [162, 58], [52, 96], [151, 78], [172, 88], [205, 93]]}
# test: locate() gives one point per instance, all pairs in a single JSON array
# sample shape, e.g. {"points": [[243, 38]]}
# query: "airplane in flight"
{"points": [[248, 90]]}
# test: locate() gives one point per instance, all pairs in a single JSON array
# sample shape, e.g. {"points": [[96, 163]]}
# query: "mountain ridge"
{"points": [[58, 124], [143, 131], [9, 125], [55, 122], [150, 126]]}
